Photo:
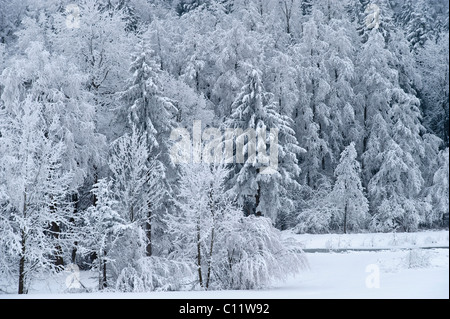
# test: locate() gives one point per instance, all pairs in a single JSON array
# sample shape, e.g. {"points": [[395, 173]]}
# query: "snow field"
{"points": [[399, 273]]}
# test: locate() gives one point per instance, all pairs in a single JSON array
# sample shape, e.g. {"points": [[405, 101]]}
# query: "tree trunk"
{"points": [[72, 221], [105, 279], [132, 214], [313, 84], [55, 231], [258, 201], [94, 198], [102, 278], [148, 232], [74, 253], [22, 265], [345, 218], [287, 10], [23, 250], [365, 140], [197, 81], [211, 248], [199, 255]]}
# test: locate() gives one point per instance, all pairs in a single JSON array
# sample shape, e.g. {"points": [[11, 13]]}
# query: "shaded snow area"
{"points": [[404, 271]]}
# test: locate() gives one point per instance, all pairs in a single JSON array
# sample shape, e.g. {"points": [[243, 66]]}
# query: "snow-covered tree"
{"points": [[153, 114], [377, 15], [137, 181], [102, 227], [98, 44], [184, 6], [312, 161], [340, 69], [130, 15], [228, 250], [393, 144], [376, 82], [11, 14], [418, 25], [306, 7], [317, 211], [394, 191], [34, 204], [235, 52], [59, 86], [291, 11], [138, 188], [146, 106], [155, 273], [128, 165], [191, 106], [197, 46], [281, 76], [312, 51], [313, 111], [341, 207], [105, 82], [253, 255], [260, 191], [439, 191], [407, 129], [205, 210], [433, 67], [352, 207], [404, 61]]}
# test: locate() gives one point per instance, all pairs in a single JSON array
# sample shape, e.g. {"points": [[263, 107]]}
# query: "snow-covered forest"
{"points": [[95, 95]]}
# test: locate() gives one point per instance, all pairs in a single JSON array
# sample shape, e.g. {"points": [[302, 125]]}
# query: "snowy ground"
{"points": [[402, 272], [371, 241]]}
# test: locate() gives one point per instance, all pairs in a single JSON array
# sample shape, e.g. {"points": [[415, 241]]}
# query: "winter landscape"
{"points": [[224, 149]]}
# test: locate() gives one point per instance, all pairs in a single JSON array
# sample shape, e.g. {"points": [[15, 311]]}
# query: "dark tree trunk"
{"points": [[345, 219], [23, 252], [197, 81], [365, 142], [74, 253], [72, 221], [103, 280], [365, 129], [148, 231], [199, 255], [211, 248], [132, 214], [94, 198], [22, 265], [55, 232], [258, 201]]}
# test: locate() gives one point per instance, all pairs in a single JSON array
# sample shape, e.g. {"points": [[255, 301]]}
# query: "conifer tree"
{"points": [[348, 193], [263, 189]]}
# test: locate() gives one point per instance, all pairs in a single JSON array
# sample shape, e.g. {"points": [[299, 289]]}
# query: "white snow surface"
{"points": [[405, 272], [371, 240]]}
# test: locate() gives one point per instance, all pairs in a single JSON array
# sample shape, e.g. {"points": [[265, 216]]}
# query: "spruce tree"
{"points": [[348, 193], [262, 189]]}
